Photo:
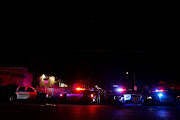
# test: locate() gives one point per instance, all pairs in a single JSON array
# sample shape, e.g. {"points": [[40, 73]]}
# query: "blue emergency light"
{"points": [[119, 89]]}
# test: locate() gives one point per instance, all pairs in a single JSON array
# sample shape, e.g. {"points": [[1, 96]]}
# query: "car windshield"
{"points": [[21, 89], [30, 89]]}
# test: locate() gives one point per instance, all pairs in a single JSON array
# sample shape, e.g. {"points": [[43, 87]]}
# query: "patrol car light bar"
{"points": [[120, 89], [79, 88], [159, 90]]}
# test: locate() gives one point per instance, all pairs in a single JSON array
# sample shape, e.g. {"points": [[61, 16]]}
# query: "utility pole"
{"points": [[134, 80], [135, 87]]}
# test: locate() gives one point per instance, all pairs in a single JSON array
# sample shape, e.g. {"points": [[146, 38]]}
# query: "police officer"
{"points": [[96, 89]]}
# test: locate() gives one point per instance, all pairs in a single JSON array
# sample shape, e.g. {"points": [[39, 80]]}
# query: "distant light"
{"points": [[127, 73], [61, 95], [115, 85]]}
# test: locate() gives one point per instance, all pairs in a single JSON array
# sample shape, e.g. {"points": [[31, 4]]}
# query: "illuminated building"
{"points": [[50, 81], [18, 76]]}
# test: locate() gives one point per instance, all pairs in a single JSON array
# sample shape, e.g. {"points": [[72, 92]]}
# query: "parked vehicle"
{"points": [[82, 96], [161, 96], [27, 93]]}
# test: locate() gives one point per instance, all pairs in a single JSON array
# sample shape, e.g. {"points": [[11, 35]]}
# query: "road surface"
{"points": [[33, 111]]}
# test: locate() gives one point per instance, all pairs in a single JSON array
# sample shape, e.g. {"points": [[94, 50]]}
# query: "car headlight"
{"points": [[149, 97], [160, 95]]}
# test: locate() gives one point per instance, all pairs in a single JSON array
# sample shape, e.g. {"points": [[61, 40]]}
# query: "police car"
{"points": [[161, 96], [124, 96], [131, 98], [27, 93], [82, 96]]}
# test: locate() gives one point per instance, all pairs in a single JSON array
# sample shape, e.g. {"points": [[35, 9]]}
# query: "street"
{"points": [[31, 111]]}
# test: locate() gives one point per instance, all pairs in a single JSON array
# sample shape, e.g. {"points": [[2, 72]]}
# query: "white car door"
{"points": [[127, 97], [22, 93]]}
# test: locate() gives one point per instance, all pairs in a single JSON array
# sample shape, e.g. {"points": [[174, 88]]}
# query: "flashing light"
{"points": [[159, 90], [92, 95], [79, 88], [61, 95], [120, 89], [160, 95]]}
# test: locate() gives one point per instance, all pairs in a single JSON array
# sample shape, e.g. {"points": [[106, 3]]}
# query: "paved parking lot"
{"points": [[90, 112]]}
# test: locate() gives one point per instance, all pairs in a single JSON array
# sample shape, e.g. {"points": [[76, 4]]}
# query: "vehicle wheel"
{"points": [[12, 98]]}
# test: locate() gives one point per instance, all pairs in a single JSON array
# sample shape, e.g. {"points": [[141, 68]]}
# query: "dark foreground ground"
{"points": [[33, 111]]}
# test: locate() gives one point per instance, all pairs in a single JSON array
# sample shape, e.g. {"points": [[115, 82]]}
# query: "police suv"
{"points": [[124, 96]]}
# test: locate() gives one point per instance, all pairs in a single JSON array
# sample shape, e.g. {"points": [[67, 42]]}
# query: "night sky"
{"points": [[95, 42]]}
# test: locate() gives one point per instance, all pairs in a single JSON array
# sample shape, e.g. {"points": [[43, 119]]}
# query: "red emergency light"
{"points": [[79, 88], [61, 95], [159, 90], [92, 95], [120, 89]]}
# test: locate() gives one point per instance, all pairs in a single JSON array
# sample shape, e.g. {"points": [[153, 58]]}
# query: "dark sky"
{"points": [[97, 42]]}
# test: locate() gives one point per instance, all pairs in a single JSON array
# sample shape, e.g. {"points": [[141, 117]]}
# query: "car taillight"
{"points": [[61, 95], [92, 95]]}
